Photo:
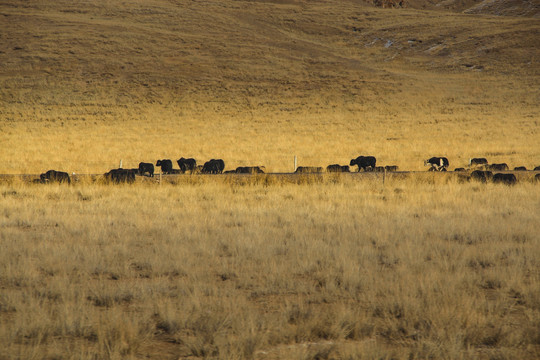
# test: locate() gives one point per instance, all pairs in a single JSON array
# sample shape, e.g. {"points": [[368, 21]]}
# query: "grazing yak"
{"points": [[497, 167], [459, 169], [520, 168], [537, 177], [437, 163], [308, 169], [118, 176], [250, 170], [391, 168], [55, 176], [537, 168], [508, 179], [166, 166], [337, 168], [364, 162], [187, 164], [480, 175], [146, 168], [214, 166], [477, 161]]}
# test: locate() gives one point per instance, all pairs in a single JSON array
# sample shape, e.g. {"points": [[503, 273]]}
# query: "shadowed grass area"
{"points": [[216, 269]]}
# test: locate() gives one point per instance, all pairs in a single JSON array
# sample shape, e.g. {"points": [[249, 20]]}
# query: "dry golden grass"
{"points": [[337, 268], [326, 267], [84, 85]]}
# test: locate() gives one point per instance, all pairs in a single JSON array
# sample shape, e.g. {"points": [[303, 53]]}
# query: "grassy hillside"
{"points": [[84, 84]]}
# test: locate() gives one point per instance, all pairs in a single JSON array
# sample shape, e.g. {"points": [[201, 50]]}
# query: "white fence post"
{"points": [[120, 164], [295, 163]]}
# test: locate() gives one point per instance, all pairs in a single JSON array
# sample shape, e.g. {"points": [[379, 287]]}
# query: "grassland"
{"points": [[333, 267], [83, 85], [328, 269]]}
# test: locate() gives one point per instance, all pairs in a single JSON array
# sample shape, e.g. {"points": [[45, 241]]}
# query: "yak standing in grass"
{"points": [[249, 170], [437, 163], [497, 167], [146, 168], [187, 164], [55, 176], [508, 179], [480, 175], [214, 166], [337, 168], [477, 162], [364, 162], [118, 176], [166, 166]]}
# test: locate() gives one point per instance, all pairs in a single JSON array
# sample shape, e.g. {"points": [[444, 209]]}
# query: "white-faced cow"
{"points": [[364, 162], [437, 163]]}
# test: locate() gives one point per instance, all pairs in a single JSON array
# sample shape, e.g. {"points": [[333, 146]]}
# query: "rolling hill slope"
{"points": [[198, 63]]}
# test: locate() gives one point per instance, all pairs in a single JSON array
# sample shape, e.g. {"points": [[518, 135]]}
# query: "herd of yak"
{"points": [[481, 169]]}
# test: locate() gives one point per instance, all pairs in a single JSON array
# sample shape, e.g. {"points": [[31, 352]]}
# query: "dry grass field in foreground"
{"points": [[329, 269]]}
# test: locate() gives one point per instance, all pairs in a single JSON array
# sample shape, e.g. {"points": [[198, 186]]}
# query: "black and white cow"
{"points": [[364, 162], [437, 163]]}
